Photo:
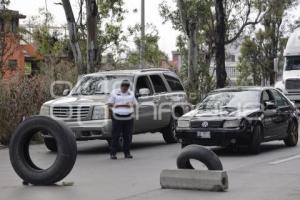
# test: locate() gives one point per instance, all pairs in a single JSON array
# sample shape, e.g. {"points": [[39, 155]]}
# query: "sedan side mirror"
{"points": [[144, 92], [66, 92], [270, 105]]}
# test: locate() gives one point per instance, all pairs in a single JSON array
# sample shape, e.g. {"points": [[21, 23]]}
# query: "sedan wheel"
{"points": [[292, 138], [254, 145]]}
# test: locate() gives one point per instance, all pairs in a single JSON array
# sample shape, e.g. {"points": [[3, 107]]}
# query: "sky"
{"points": [[168, 35]]}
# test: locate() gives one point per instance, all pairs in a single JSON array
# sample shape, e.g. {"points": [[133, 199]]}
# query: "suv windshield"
{"points": [[231, 100], [292, 63], [99, 85]]}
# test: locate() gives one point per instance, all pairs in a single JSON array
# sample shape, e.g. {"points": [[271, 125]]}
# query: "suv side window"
{"points": [[174, 83], [158, 83], [279, 99], [143, 82]]}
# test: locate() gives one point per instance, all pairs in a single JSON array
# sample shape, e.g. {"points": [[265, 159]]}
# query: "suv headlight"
{"points": [[183, 124], [45, 110], [100, 112], [232, 123]]}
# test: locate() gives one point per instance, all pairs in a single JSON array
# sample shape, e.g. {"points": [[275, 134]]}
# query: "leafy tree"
{"points": [[153, 54], [105, 28], [267, 44], [195, 20], [217, 22], [48, 41]]}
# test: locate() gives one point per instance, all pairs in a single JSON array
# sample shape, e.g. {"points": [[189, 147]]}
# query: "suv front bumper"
{"points": [[90, 130]]}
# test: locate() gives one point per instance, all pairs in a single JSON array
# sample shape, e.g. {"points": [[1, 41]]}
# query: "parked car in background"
{"points": [[240, 116], [160, 95]]}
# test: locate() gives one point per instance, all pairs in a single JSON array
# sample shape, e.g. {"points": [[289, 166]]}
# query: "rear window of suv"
{"points": [[174, 83]]}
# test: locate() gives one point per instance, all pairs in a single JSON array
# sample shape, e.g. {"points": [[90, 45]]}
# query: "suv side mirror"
{"points": [[144, 92], [270, 105], [66, 92]]}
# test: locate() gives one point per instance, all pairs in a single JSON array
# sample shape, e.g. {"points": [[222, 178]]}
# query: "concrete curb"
{"points": [[194, 180]]}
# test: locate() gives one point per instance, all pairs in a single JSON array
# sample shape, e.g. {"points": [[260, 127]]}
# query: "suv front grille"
{"points": [[71, 113], [292, 84], [206, 124]]}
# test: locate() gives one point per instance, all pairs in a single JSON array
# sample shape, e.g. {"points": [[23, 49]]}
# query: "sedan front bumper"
{"points": [[218, 136]]}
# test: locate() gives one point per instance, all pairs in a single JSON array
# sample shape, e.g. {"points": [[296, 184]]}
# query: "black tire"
{"points": [[202, 154], [20, 157], [50, 144], [169, 133], [254, 145], [292, 138]]}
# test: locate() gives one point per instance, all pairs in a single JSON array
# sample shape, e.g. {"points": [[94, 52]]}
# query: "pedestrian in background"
{"points": [[122, 102]]}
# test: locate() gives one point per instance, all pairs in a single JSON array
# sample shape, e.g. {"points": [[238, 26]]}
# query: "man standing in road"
{"points": [[122, 103]]}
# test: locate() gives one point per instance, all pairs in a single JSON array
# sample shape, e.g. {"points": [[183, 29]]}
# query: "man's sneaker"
{"points": [[128, 156], [113, 157]]}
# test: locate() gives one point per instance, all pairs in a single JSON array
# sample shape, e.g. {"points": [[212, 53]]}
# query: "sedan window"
{"points": [[279, 99], [231, 100]]}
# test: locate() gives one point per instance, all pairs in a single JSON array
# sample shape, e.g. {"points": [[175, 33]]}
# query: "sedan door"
{"points": [[282, 115], [269, 119]]}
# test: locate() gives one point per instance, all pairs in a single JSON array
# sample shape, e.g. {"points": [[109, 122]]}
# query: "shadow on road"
{"points": [[103, 148], [242, 151]]}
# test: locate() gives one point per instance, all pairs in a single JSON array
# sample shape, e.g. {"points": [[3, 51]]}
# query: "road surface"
{"points": [[274, 174]]}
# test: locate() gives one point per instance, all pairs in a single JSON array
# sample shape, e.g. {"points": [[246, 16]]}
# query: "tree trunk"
{"points": [[73, 37], [192, 59], [91, 13], [220, 44]]}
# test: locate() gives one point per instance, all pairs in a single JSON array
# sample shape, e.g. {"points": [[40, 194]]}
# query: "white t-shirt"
{"points": [[117, 97]]}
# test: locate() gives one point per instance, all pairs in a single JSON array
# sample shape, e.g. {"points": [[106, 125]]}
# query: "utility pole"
{"points": [[142, 45]]}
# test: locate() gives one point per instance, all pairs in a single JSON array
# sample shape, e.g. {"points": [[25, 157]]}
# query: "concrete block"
{"points": [[194, 180]]}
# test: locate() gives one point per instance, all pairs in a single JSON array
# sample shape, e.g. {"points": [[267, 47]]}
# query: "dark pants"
{"points": [[121, 125]]}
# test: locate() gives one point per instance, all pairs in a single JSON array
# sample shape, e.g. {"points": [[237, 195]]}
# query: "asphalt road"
{"points": [[274, 174]]}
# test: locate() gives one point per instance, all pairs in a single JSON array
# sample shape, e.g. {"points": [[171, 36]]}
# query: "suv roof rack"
{"points": [[154, 69]]}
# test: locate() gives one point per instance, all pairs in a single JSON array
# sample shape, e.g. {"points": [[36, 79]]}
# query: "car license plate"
{"points": [[205, 134]]}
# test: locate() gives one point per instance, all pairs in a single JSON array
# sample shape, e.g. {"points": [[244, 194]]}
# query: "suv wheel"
{"points": [[169, 133], [50, 144], [292, 138]]}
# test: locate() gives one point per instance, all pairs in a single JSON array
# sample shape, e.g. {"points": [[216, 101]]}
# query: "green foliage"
{"points": [[48, 41], [110, 35], [257, 54], [153, 54], [198, 14]]}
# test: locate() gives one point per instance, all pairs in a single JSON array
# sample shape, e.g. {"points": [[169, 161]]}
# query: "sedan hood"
{"points": [[219, 114], [78, 101]]}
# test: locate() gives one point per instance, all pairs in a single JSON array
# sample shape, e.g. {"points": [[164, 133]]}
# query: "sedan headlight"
{"points": [[232, 123], [45, 110], [99, 112], [183, 124]]}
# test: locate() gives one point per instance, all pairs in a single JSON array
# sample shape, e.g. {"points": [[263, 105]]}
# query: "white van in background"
{"points": [[290, 83]]}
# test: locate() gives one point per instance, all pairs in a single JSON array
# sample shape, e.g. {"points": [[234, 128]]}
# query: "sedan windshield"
{"points": [[231, 100], [99, 85], [293, 63]]}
